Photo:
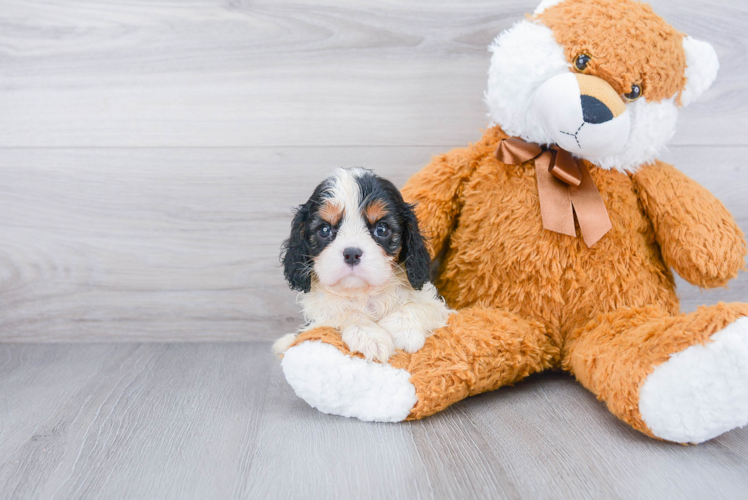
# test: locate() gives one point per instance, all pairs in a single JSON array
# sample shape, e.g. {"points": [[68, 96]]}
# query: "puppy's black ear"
{"points": [[414, 253], [297, 261]]}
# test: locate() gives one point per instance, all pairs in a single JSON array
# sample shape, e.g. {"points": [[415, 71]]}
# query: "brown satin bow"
{"points": [[564, 187]]}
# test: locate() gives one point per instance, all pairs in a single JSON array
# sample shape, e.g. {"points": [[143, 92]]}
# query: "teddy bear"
{"points": [[557, 234]]}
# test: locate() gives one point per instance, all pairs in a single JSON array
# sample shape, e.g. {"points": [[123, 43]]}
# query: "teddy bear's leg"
{"points": [[679, 378], [479, 350]]}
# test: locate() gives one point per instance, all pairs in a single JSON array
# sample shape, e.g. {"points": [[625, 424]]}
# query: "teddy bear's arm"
{"points": [[435, 191], [698, 237]]}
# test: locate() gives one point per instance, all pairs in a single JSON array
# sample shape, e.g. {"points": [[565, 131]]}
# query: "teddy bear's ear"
{"points": [[701, 69]]}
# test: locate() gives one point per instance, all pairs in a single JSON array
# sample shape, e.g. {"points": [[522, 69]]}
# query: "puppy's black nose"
{"points": [[352, 256]]}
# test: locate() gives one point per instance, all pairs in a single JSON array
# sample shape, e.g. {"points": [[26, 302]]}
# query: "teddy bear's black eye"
{"points": [[581, 61], [636, 92]]}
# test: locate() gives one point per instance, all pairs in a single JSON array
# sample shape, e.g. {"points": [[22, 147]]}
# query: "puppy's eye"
{"points": [[636, 92], [324, 231], [581, 61], [382, 230]]}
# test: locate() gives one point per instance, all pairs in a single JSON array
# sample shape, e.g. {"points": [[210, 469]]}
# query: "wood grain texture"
{"points": [[206, 73], [129, 421], [174, 235], [158, 244], [217, 420], [169, 244]]}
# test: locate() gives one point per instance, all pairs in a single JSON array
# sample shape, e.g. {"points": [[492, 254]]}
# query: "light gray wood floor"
{"points": [[150, 154], [217, 420]]}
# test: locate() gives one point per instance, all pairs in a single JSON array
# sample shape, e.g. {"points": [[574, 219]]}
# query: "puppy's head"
{"points": [[351, 234]]}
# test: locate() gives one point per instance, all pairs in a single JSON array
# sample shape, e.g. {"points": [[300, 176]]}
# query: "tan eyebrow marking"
{"points": [[375, 211], [331, 212]]}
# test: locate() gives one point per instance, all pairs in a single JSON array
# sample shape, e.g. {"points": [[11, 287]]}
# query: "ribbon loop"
{"points": [[565, 168], [513, 151], [565, 187]]}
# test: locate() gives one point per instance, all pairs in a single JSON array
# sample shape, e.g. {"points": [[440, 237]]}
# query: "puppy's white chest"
{"points": [[373, 307], [337, 311]]}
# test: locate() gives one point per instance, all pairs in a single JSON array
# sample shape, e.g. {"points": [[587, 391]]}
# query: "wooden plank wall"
{"points": [[151, 151]]}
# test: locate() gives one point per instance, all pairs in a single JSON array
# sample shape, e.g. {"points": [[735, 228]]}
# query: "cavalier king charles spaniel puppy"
{"points": [[357, 255]]}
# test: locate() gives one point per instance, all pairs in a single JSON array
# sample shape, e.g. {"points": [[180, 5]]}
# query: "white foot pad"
{"points": [[701, 392], [343, 385]]}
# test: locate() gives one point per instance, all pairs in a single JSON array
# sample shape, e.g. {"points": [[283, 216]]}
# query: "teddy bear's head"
{"points": [[603, 79]]}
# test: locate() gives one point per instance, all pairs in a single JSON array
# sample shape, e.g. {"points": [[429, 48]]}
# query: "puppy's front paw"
{"points": [[409, 340], [282, 344], [406, 333], [370, 340]]}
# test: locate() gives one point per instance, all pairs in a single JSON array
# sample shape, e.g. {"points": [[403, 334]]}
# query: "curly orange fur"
{"points": [[584, 27], [530, 299]]}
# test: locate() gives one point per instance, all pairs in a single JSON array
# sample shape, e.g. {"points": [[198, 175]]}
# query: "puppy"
{"points": [[357, 255]]}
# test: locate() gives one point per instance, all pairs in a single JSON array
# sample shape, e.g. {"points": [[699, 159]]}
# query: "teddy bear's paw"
{"points": [[701, 392], [370, 340], [338, 384]]}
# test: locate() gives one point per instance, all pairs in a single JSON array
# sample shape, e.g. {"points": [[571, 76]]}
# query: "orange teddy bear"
{"points": [[583, 94]]}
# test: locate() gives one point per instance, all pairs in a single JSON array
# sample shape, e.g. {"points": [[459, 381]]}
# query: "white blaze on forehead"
{"points": [[346, 193]]}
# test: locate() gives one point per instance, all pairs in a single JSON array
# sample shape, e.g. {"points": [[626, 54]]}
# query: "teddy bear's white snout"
{"points": [[578, 113]]}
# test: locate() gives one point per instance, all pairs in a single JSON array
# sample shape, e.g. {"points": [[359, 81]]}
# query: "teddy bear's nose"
{"points": [[594, 110], [600, 103]]}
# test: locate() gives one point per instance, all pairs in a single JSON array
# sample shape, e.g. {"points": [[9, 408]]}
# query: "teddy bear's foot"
{"points": [[340, 384], [701, 392], [680, 378]]}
